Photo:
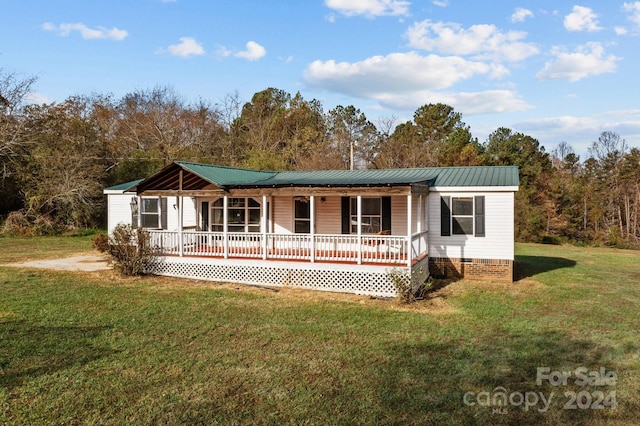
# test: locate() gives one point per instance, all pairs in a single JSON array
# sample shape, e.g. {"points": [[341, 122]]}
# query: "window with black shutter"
{"points": [[462, 216]]}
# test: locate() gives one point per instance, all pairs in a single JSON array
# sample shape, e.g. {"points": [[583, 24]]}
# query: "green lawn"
{"points": [[94, 348]]}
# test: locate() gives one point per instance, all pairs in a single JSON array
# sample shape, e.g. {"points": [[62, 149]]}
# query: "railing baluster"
{"points": [[381, 249]]}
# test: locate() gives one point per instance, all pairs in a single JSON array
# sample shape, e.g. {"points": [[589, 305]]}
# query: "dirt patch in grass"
{"points": [[82, 262]]}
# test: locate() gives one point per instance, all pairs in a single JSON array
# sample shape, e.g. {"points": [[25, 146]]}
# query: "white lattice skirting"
{"points": [[358, 279]]}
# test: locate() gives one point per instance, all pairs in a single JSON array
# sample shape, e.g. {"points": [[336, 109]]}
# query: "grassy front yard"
{"points": [[89, 348]]}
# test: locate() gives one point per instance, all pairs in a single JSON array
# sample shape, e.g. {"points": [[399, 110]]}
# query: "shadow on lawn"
{"points": [[29, 351], [528, 266], [426, 383]]}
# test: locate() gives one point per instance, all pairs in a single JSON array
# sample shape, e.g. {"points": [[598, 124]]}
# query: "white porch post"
{"points": [[359, 227], [264, 227], [419, 218], [179, 201], [409, 229], [225, 225], [312, 224], [420, 222]]}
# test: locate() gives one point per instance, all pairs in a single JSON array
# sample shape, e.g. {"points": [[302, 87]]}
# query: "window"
{"points": [[244, 215], [302, 216], [462, 216], [371, 215], [152, 213], [376, 215]]}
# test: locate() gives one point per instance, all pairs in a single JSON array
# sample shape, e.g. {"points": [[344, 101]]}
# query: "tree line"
{"points": [[55, 159]]}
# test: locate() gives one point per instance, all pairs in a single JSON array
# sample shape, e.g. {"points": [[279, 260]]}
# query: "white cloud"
{"points": [[441, 3], [480, 41], [582, 19], [521, 14], [85, 32], [397, 72], [466, 103], [36, 98], [579, 132], [587, 60], [633, 9], [621, 30], [253, 53], [404, 81], [370, 8], [188, 46]]}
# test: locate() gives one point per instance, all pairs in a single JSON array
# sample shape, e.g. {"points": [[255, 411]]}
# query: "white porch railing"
{"points": [[383, 249], [419, 244]]}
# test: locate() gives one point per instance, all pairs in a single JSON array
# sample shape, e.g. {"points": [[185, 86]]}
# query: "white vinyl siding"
{"points": [[119, 211], [328, 215], [499, 229], [282, 215], [399, 214]]}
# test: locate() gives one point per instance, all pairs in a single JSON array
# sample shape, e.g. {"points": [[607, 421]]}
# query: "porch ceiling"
{"points": [[173, 178]]}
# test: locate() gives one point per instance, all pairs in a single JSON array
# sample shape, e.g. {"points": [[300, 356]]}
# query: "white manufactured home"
{"points": [[338, 230]]}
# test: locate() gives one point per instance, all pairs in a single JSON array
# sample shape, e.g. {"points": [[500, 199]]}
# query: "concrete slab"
{"points": [[86, 263]]}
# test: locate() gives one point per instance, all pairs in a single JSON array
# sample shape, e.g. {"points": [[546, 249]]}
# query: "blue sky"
{"points": [[555, 70]]}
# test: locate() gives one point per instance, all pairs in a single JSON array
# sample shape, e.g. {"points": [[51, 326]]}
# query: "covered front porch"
{"points": [[328, 233]]}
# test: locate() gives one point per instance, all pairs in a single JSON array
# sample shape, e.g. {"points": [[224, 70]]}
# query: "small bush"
{"points": [[410, 288], [129, 248], [101, 243]]}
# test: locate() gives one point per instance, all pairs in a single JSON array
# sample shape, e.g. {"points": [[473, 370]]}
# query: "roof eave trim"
{"points": [[490, 188], [319, 185]]}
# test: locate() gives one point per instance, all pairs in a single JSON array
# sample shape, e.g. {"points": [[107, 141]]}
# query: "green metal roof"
{"points": [[231, 177], [350, 177], [434, 176], [226, 176], [477, 176], [124, 186]]}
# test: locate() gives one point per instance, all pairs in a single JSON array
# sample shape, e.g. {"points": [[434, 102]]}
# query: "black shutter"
{"points": [[386, 214], [346, 215], [479, 201], [445, 216], [163, 212], [204, 214]]}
